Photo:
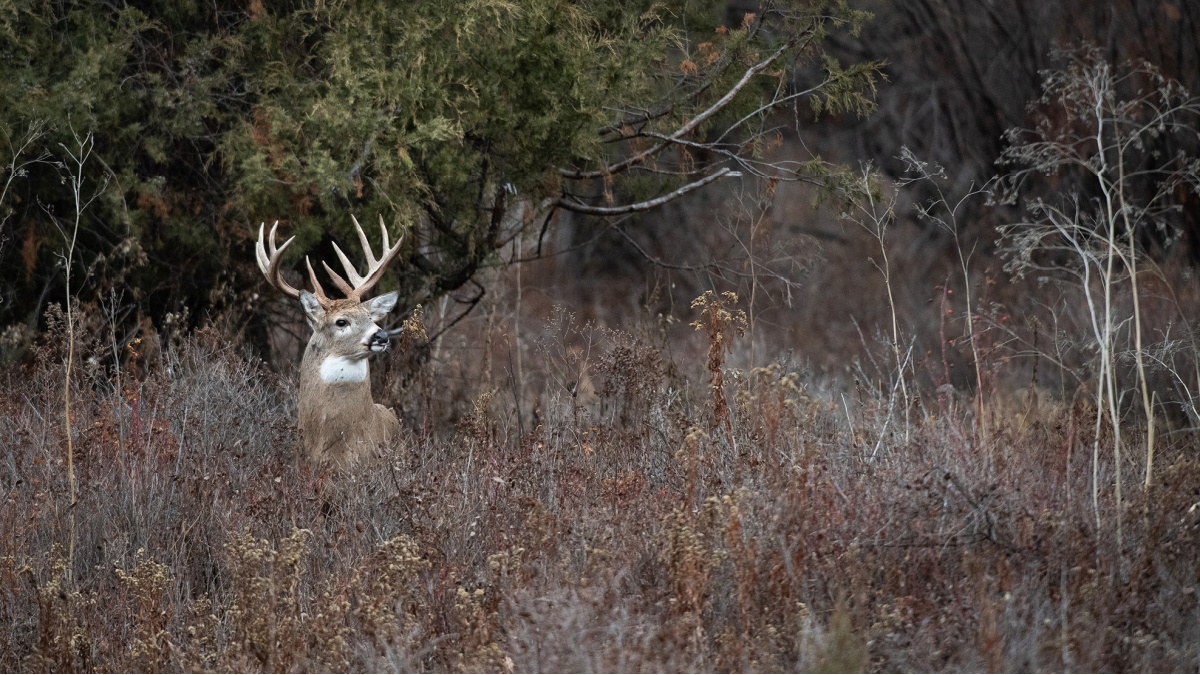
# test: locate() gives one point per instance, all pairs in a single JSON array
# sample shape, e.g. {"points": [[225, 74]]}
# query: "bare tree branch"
{"points": [[686, 128], [648, 204]]}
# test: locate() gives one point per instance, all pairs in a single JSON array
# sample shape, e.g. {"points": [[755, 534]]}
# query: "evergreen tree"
{"points": [[460, 122]]}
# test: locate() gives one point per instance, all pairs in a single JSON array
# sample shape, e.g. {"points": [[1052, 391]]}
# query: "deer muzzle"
{"points": [[378, 341]]}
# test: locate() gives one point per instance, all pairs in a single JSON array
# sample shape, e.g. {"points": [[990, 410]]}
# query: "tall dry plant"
{"points": [[19, 162], [873, 208], [1105, 130], [762, 263], [720, 324], [1070, 230], [943, 211], [75, 176]]}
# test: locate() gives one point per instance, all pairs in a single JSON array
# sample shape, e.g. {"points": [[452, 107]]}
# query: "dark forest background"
{"points": [[801, 335], [210, 118]]}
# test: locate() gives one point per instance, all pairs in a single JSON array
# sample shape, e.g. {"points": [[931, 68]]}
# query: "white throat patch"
{"points": [[342, 369]]}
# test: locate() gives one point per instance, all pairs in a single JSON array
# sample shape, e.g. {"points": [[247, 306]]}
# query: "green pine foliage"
{"points": [[447, 117]]}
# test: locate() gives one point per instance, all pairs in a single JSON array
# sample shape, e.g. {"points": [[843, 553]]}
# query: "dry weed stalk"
{"points": [[874, 210], [1105, 127], [720, 325], [944, 214], [18, 167], [147, 583], [79, 156]]}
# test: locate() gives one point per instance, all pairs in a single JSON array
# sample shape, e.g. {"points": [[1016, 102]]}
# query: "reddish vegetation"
{"points": [[634, 521]]}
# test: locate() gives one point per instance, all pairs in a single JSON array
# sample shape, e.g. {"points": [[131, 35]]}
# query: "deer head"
{"points": [[338, 418]]}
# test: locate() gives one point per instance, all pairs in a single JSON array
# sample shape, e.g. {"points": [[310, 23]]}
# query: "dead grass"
{"points": [[624, 519]]}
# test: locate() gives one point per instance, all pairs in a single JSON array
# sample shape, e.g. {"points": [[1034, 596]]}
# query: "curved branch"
{"points": [[686, 128], [647, 116], [648, 204]]}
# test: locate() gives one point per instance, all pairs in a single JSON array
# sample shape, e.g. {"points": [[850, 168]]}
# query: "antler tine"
{"points": [[362, 238], [260, 253], [268, 264], [338, 281], [383, 229], [352, 273], [359, 285], [317, 290], [378, 267]]}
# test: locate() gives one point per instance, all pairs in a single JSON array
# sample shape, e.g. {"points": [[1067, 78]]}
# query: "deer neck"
{"points": [[337, 416], [334, 382]]}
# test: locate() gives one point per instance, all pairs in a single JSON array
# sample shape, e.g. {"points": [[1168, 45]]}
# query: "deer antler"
{"points": [[359, 285], [269, 265]]}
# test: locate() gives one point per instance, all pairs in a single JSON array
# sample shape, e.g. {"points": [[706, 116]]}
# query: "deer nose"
{"points": [[378, 341]]}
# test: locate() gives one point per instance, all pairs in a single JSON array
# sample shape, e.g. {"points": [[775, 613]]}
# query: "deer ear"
{"points": [[312, 308], [379, 307]]}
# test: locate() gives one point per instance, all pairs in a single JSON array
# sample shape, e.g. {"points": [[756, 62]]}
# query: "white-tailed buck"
{"points": [[338, 418]]}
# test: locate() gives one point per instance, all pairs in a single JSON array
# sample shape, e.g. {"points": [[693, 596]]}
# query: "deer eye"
{"points": [[342, 323]]}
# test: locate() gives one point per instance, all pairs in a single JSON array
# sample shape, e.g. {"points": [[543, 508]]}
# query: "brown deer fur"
{"points": [[338, 419]]}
